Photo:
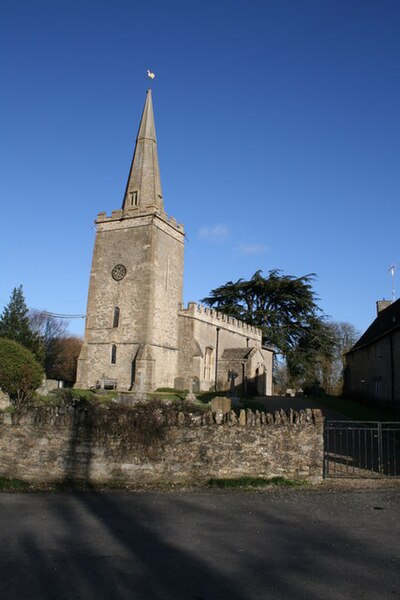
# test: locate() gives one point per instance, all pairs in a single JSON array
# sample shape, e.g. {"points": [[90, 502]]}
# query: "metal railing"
{"points": [[365, 449]]}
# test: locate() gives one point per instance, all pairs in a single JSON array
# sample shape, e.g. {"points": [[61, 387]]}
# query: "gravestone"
{"points": [[4, 400], [221, 404], [190, 397]]}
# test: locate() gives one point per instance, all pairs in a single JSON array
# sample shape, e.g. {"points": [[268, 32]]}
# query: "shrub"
{"points": [[20, 373], [71, 397]]}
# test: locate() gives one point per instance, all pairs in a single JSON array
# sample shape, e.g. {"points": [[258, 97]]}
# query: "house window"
{"points": [[208, 361], [378, 350], [134, 198], [113, 354], [116, 317], [378, 388]]}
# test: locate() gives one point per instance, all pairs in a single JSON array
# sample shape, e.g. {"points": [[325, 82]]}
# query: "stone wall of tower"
{"points": [[167, 284], [166, 294], [147, 297]]}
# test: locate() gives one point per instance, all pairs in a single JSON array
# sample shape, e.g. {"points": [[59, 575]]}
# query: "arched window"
{"points": [[116, 317], [134, 198], [208, 362], [113, 354]]}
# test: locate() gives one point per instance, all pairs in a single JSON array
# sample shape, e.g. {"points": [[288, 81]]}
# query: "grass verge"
{"points": [[253, 482], [10, 484]]}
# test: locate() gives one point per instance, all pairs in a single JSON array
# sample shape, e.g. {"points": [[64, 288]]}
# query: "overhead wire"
{"points": [[60, 315], [48, 313]]}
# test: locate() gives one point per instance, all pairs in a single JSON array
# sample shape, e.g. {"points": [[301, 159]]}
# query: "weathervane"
{"points": [[392, 270], [150, 74]]}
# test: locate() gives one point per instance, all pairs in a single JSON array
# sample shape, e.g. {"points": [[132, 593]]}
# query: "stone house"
{"points": [[138, 334], [373, 364]]}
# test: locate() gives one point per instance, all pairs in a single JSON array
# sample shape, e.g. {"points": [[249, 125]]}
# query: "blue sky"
{"points": [[278, 130]]}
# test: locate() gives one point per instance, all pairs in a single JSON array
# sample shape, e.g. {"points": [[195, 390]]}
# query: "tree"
{"points": [[52, 332], [313, 350], [20, 373], [61, 350], [15, 325], [65, 363], [344, 336], [285, 308]]}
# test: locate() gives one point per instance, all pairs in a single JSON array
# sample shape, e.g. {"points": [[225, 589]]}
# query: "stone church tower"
{"points": [[135, 289]]}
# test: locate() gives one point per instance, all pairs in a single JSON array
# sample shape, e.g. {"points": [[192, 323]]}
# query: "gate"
{"points": [[368, 449]]}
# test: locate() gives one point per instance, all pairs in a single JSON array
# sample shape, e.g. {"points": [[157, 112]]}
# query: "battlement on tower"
{"points": [[119, 215], [219, 319]]}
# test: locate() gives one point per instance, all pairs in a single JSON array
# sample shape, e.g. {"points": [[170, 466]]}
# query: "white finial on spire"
{"points": [[150, 74]]}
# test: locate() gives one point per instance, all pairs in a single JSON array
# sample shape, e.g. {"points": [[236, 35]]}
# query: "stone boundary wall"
{"points": [[54, 444]]}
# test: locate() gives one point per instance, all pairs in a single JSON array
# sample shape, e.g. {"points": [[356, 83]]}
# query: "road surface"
{"points": [[201, 545]]}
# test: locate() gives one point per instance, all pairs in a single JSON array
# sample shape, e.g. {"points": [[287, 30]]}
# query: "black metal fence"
{"points": [[362, 449]]}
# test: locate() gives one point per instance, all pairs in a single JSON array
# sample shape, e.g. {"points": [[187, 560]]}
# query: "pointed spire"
{"points": [[143, 189], [147, 128]]}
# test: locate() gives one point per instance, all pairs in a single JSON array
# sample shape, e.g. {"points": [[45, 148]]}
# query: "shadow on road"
{"points": [[200, 546]]}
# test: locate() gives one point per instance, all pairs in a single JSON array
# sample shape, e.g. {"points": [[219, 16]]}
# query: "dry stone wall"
{"points": [[53, 444]]}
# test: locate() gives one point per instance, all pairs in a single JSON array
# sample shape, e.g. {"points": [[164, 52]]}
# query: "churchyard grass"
{"points": [[356, 410]]}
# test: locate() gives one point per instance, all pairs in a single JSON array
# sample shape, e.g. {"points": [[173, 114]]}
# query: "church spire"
{"points": [[143, 189]]}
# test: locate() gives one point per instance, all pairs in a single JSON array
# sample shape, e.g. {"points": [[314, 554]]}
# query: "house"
{"points": [[372, 370]]}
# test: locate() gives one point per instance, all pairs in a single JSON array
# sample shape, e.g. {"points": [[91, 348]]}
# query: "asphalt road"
{"points": [[200, 545]]}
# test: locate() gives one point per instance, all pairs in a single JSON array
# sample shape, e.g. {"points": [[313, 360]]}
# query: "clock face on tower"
{"points": [[118, 272]]}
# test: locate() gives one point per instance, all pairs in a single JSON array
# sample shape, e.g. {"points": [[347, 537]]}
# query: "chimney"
{"points": [[381, 305]]}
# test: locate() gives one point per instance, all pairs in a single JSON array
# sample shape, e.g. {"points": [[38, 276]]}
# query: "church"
{"points": [[138, 334]]}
